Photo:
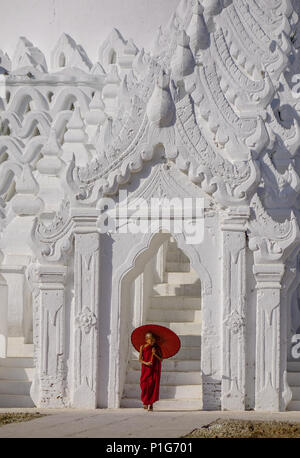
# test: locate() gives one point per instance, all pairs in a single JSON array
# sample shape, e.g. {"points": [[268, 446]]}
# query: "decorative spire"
{"points": [[49, 168], [110, 90], [197, 30], [161, 109], [211, 7], [51, 164], [75, 140], [96, 117], [183, 62], [26, 202]]}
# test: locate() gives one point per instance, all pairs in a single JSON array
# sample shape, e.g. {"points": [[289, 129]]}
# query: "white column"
{"points": [[268, 381], [48, 387], [85, 344], [233, 316]]}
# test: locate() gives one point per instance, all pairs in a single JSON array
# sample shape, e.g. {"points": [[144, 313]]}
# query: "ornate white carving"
{"points": [[235, 322], [234, 309], [86, 299], [49, 385], [215, 99], [86, 320]]}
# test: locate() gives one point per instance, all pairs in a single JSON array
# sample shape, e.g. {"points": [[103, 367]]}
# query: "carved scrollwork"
{"points": [[271, 240], [54, 241]]}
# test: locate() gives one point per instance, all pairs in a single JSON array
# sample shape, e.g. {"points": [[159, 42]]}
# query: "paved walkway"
{"points": [[123, 423]]}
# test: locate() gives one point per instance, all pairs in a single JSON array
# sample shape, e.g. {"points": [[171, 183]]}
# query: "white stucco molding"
{"points": [[234, 271], [273, 244], [48, 389], [84, 359]]}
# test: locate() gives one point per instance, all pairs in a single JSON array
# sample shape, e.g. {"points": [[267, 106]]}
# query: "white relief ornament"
{"points": [[218, 97], [86, 320], [235, 321]]}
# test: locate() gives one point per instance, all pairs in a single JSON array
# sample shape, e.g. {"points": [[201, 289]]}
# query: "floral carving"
{"points": [[86, 320], [235, 321]]}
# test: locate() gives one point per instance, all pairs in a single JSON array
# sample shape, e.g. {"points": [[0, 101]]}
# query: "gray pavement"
{"points": [[124, 423]]}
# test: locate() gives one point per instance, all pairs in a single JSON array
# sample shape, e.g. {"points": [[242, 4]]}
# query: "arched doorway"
{"points": [[168, 292]]}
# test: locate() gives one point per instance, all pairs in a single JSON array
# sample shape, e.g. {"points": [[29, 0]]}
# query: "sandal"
{"points": [[145, 406], [150, 408]]}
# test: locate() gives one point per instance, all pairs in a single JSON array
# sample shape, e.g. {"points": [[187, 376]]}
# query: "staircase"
{"points": [[16, 374], [175, 304], [294, 383]]}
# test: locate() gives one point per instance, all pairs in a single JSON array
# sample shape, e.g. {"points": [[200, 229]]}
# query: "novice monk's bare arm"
{"points": [[158, 356], [141, 353], [141, 356]]}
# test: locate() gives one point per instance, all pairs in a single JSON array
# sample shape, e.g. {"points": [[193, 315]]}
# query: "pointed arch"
{"points": [[140, 254]]}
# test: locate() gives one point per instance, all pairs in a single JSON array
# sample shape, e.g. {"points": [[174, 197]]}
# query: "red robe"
{"points": [[150, 376]]}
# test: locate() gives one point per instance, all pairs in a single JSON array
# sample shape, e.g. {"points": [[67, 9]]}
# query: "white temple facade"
{"points": [[210, 112]]}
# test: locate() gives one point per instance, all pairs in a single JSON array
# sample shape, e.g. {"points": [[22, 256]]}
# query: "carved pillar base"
{"points": [[269, 379], [233, 320], [86, 277], [48, 387]]}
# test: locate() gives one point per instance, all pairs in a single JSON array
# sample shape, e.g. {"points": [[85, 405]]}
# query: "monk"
{"points": [[150, 358]]}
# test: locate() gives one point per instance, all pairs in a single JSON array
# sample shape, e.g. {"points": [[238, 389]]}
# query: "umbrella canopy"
{"points": [[168, 341]]}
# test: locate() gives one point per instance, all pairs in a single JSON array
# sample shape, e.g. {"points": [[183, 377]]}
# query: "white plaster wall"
{"points": [[87, 21]]}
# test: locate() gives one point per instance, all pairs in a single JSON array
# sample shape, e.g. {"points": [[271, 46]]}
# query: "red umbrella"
{"points": [[168, 341]]}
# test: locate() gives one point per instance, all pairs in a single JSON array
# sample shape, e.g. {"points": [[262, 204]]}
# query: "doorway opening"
{"points": [[168, 293]]}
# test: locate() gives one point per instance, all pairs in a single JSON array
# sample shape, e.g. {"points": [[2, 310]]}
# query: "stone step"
{"points": [[189, 353], [158, 314], [190, 341], [176, 256], [168, 378], [296, 393], [180, 328], [172, 245], [182, 278], [16, 373], [17, 348], [133, 390], [173, 248], [165, 289], [175, 266], [165, 404], [17, 362], [293, 366], [294, 405], [293, 378], [15, 401], [25, 352], [171, 365], [15, 387], [176, 302]]}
